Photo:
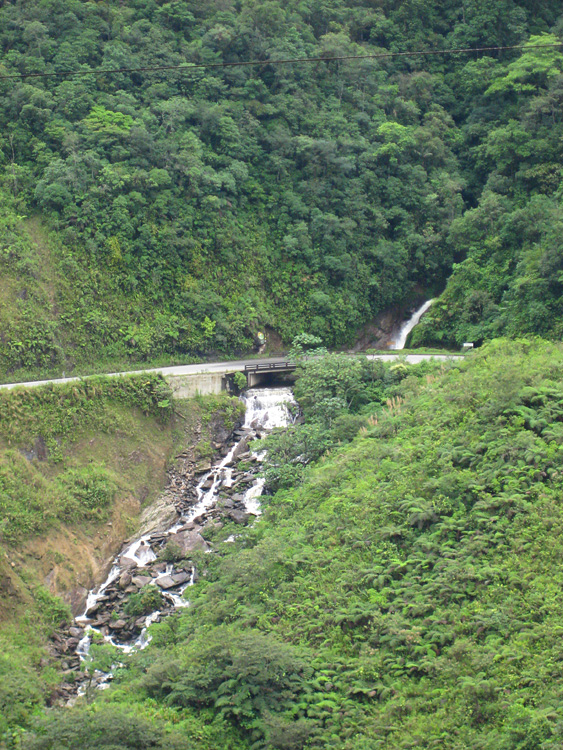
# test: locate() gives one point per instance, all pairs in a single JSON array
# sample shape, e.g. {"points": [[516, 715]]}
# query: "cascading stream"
{"points": [[137, 564], [400, 339]]}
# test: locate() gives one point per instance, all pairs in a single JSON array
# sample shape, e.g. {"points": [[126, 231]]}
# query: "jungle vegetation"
{"points": [[173, 214], [402, 590]]}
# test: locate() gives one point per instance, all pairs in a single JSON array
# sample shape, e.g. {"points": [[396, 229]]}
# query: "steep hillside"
{"points": [[78, 464], [405, 592], [193, 209], [509, 280]]}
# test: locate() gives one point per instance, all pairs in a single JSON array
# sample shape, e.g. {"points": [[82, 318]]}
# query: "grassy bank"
{"points": [[60, 316]]}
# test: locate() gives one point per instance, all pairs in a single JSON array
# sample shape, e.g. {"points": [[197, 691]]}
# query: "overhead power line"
{"points": [[190, 67]]}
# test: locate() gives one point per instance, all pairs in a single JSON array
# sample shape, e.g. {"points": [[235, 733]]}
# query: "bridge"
{"points": [[214, 377], [265, 371]]}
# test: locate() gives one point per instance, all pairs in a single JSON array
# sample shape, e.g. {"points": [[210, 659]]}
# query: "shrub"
{"points": [[88, 490], [52, 609], [145, 601]]}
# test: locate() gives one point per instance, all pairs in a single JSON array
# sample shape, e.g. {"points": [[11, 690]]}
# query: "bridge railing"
{"points": [[270, 366]]}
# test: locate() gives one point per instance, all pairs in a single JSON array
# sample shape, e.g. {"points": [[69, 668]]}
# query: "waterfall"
{"points": [[400, 339], [267, 408]]}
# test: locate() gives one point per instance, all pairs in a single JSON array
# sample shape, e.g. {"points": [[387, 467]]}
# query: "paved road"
{"points": [[224, 367]]}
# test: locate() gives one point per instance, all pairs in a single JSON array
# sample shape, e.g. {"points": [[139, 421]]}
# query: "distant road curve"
{"points": [[223, 367]]}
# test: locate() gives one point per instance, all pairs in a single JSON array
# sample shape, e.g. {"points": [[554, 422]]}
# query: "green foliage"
{"points": [[27, 501], [21, 690], [243, 676], [507, 278], [90, 491], [51, 608], [406, 592], [182, 214], [37, 426], [305, 345], [172, 552], [102, 121], [146, 600], [532, 69], [193, 211], [102, 727], [331, 389], [329, 385], [239, 379]]}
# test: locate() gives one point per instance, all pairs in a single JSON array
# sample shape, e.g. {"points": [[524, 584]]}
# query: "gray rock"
{"points": [[226, 502], [180, 578], [141, 580], [191, 526], [241, 448], [166, 582], [188, 541], [125, 579], [117, 624], [102, 619], [239, 516]]}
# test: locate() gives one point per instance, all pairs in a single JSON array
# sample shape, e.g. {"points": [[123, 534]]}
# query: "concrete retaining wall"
{"points": [[187, 386]]}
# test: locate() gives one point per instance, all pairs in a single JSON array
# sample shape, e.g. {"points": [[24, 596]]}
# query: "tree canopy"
{"points": [[187, 211]]}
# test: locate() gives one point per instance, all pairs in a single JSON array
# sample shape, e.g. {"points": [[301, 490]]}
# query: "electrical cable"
{"points": [[189, 67]]}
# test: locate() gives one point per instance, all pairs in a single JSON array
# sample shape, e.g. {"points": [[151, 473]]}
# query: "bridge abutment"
{"points": [[188, 386]]}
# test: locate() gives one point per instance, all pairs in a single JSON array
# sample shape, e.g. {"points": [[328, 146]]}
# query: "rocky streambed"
{"points": [[151, 577]]}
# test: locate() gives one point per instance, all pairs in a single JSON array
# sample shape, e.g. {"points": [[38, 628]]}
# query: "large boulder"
{"points": [[238, 516], [166, 582], [124, 580], [241, 448], [188, 541]]}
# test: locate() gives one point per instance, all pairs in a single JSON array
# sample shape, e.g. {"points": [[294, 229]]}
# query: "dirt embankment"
{"points": [[71, 559]]}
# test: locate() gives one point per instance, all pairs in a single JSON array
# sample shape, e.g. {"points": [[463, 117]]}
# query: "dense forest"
{"points": [[170, 213]]}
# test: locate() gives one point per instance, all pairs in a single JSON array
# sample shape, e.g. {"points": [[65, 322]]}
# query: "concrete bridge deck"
{"points": [[210, 377]]}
